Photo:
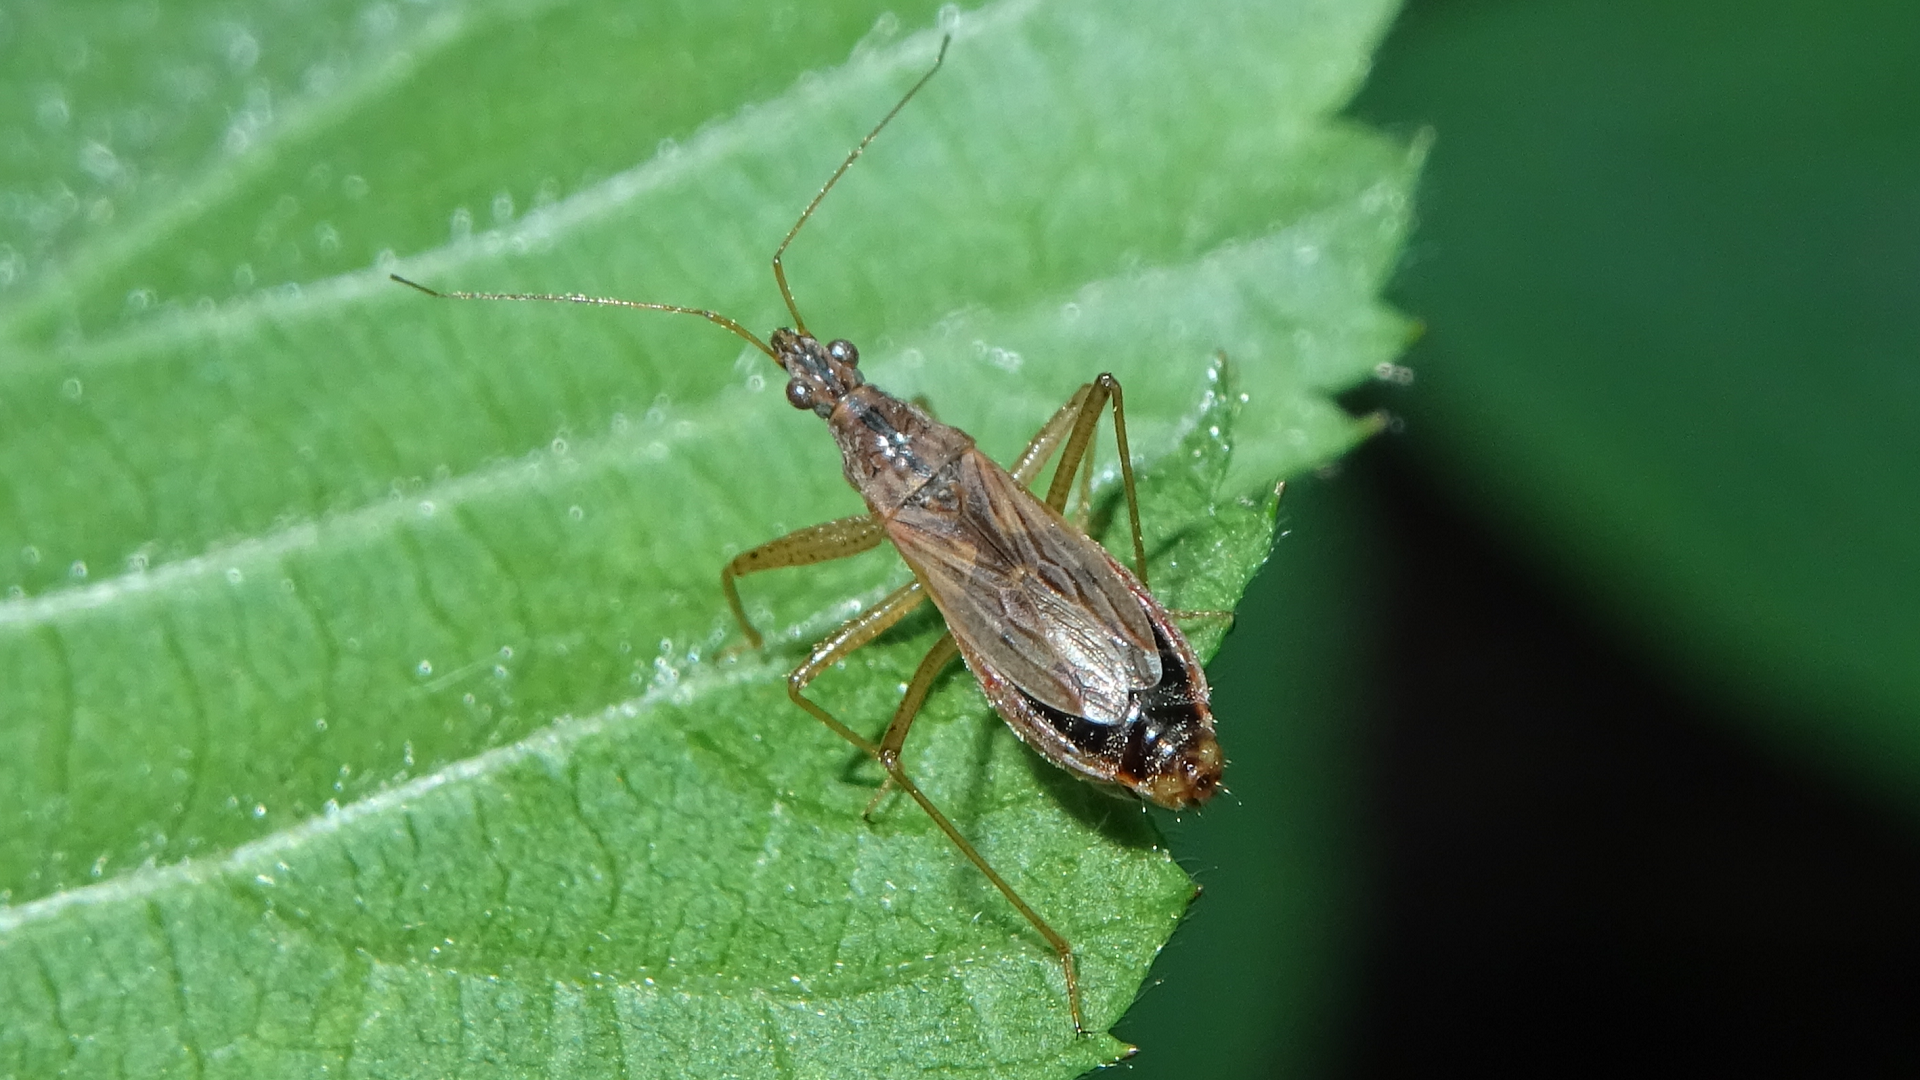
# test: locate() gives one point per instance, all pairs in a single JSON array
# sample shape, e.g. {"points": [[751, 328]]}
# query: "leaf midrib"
{"points": [[553, 740]]}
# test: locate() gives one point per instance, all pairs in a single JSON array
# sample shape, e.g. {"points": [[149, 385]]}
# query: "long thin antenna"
{"points": [[779, 272], [603, 301]]}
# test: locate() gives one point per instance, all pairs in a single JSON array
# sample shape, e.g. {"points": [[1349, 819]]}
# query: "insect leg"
{"points": [[854, 633], [858, 632], [828, 540], [888, 754], [1034, 457], [1060, 946], [1086, 492], [937, 658], [1079, 449]]}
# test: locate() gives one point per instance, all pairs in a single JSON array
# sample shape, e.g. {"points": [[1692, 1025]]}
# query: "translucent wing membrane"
{"points": [[1027, 593]]}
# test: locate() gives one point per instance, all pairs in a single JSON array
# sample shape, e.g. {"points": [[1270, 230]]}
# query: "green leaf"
{"points": [[364, 702]]}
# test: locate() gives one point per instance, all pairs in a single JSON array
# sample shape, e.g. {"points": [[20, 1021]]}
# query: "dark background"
{"points": [[1582, 868], [1574, 723]]}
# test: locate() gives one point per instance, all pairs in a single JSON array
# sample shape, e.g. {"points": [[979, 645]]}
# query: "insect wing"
{"points": [[1026, 593]]}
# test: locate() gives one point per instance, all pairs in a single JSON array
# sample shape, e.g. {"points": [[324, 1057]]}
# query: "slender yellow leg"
{"points": [[860, 631], [931, 665], [891, 761], [1034, 457], [937, 658], [856, 632], [1092, 398], [1085, 513], [816, 543]]}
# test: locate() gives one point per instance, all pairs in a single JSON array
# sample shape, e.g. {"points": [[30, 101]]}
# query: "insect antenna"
{"points": [[779, 271], [604, 301]]}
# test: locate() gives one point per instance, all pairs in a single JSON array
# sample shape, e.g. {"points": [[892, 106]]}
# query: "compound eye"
{"points": [[799, 395], [843, 351]]}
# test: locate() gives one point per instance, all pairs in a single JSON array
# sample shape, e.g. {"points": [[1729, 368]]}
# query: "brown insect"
{"points": [[1074, 652]]}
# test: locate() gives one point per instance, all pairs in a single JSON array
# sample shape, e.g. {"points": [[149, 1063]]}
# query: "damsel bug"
{"points": [[1073, 651]]}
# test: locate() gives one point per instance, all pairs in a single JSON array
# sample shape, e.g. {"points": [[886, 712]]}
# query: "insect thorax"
{"points": [[890, 449]]}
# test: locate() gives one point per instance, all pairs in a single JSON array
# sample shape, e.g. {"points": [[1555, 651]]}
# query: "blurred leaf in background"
{"points": [[1670, 259], [1647, 708], [1636, 583], [361, 705]]}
